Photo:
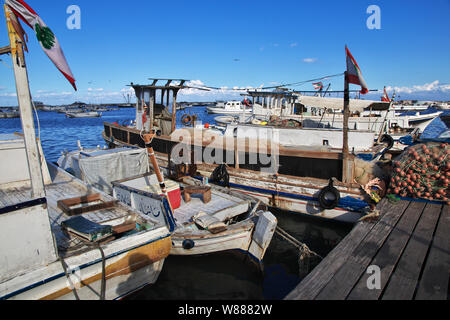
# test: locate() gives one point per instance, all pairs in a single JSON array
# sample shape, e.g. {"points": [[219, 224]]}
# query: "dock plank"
{"points": [[311, 286], [402, 283], [434, 282], [389, 255], [355, 267]]}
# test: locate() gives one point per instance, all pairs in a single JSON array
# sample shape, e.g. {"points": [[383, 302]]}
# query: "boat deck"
{"points": [[409, 244], [66, 187], [219, 201]]}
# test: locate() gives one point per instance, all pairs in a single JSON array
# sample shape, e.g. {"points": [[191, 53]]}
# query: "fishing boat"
{"points": [[302, 179], [215, 220], [59, 238], [9, 114], [327, 112], [83, 115], [412, 107], [230, 107], [49, 246]]}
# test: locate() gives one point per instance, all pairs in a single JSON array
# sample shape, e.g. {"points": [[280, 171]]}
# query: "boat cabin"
{"points": [[268, 103], [154, 102]]}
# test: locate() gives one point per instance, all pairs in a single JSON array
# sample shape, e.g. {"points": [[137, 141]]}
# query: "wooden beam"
{"points": [[347, 172], [5, 50], [26, 113]]}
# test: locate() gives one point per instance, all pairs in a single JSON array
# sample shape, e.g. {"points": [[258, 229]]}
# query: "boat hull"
{"points": [[287, 192], [224, 111], [125, 273]]}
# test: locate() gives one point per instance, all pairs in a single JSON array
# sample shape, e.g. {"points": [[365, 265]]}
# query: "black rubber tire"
{"points": [[390, 141], [329, 204]]}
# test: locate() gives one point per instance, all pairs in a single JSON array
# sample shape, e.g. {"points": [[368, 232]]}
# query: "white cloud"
{"points": [[96, 90], [8, 95], [294, 44], [427, 87], [310, 60]]}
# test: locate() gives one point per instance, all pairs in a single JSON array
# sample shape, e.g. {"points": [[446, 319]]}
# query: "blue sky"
{"points": [[236, 44]]}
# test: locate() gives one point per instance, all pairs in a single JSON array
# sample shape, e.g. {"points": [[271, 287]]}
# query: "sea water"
{"points": [[227, 275]]}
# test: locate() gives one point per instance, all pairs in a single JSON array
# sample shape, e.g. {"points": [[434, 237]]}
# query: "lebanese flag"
{"points": [[318, 85], [45, 36], [354, 73], [385, 97]]}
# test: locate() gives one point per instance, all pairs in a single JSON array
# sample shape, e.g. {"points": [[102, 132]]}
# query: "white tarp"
{"points": [[338, 103], [100, 168]]}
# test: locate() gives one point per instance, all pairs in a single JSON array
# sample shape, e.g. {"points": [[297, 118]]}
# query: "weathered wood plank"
{"points": [[345, 279], [310, 287], [402, 283], [389, 255], [434, 282]]}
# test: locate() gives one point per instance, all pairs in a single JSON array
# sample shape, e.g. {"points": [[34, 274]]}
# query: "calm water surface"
{"points": [[228, 275]]}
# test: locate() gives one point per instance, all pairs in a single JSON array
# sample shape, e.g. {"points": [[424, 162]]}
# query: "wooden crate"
{"points": [[67, 205]]}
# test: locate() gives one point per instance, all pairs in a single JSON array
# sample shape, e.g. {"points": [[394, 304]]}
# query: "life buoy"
{"points": [[329, 197], [187, 120]]}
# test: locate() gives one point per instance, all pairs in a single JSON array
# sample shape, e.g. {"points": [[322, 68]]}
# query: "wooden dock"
{"points": [[410, 245]]}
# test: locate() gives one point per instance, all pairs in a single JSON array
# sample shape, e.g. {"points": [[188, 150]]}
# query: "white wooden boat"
{"points": [[241, 213], [241, 223], [404, 107], [230, 107], [83, 115], [292, 173], [40, 260], [374, 116], [60, 239]]}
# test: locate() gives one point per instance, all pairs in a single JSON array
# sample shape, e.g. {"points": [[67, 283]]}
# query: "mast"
{"points": [[346, 163], [26, 113]]}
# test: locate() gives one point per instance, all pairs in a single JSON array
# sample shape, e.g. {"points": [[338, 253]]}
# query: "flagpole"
{"points": [[346, 166], [26, 113]]}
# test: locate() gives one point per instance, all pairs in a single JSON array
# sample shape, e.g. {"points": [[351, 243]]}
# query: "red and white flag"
{"points": [[45, 36], [318, 85], [385, 97], [354, 73]]}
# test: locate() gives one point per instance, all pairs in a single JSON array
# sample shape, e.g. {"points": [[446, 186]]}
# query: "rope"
{"points": [[279, 86], [305, 254], [103, 283], [68, 278]]}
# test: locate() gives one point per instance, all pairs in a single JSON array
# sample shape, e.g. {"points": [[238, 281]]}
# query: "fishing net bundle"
{"points": [[422, 172]]}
